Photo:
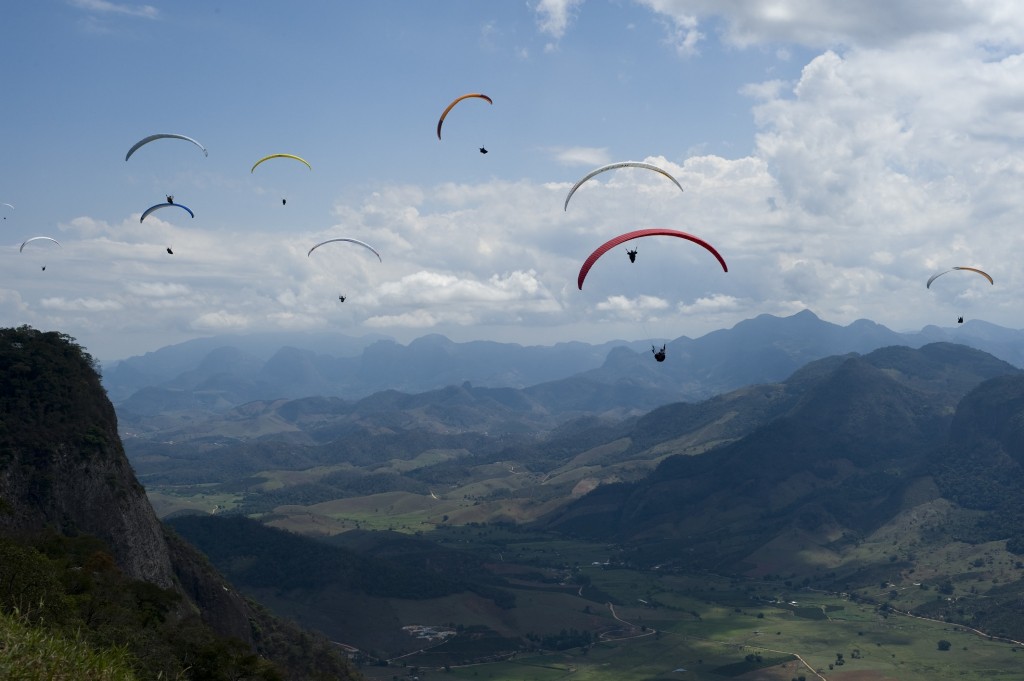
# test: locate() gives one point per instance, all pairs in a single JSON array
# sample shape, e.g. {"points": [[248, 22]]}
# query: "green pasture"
{"points": [[707, 624], [168, 500]]}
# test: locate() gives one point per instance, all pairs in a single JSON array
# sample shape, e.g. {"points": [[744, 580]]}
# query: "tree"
{"points": [[945, 645]]}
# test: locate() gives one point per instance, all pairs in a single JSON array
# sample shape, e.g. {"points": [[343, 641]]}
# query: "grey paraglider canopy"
{"points": [[163, 135], [353, 241], [620, 164]]}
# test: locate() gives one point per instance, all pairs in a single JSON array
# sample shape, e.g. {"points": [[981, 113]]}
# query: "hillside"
{"points": [[81, 549], [860, 432], [859, 471]]}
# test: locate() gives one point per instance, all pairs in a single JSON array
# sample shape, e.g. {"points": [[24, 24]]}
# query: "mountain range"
{"points": [[216, 374], [843, 470], [898, 465]]}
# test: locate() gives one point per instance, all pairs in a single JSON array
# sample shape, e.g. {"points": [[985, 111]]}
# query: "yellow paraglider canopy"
{"points": [[267, 158]]}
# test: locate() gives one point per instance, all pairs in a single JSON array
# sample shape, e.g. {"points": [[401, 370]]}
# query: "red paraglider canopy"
{"points": [[629, 236]]}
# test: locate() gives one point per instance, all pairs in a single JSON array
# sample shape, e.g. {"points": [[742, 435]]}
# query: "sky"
{"points": [[836, 154]]}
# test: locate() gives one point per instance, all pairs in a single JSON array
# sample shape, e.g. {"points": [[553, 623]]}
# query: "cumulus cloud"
{"points": [[823, 23], [895, 153]]}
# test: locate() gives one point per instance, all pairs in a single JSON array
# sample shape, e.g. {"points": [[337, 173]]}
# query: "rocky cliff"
{"points": [[61, 461], [64, 475]]}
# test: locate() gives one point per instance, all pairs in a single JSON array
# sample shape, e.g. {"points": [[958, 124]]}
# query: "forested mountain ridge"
{"points": [[81, 549], [851, 436]]}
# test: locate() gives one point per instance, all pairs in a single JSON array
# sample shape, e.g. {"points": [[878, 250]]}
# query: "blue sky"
{"points": [[836, 156]]}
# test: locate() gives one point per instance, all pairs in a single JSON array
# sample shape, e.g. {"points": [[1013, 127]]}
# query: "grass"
{"points": [[31, 654]]}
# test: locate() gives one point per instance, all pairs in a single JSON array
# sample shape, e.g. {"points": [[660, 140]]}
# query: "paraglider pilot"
{"points": [[170, 198], [169, 251], [659, 354], [483, 150], [284, 202], [341, 298], [631, 254], [960, 320]]}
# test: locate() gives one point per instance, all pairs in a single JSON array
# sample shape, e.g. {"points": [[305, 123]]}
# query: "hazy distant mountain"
{"points": [[852, 442], [215, 374]]}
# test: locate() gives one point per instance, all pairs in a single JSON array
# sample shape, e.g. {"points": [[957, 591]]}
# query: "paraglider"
{"points": [[169, 251], [353, 241], [629, 236], [631, 254], [658, 354], [284, 201], [972, 269], [168, 204], [960, 320], [9, 206], [341, 298], [483, 150], [620, 164], [292, 156], [37, 238], [147, 140], [455, 101]]}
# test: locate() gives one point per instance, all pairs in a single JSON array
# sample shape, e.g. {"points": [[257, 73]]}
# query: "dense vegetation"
{"points": [[70, 590], [983, 465], [254, 555], [48, 391]]}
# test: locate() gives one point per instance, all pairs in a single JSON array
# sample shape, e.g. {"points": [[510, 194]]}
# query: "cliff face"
{"points": [[63, 470], [62, 465]]}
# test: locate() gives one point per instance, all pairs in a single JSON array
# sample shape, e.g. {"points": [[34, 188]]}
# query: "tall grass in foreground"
{"points": [[28, 653]]}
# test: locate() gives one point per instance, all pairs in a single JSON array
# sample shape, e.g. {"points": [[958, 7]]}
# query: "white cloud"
{"points": [[220, 321], [582, 156], [103, 6], [81, 304], [554, 16], [829, 23]]}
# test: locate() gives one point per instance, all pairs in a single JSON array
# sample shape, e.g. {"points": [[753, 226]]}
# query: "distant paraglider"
{"points": [[168, 204], [284, 201], [151, 138], [620, 164], [959, 320], [352, 241], [9, 206], [659, 355], [291, 156], [37, 238], [629, 236], [969, 269], [455, 101]]}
